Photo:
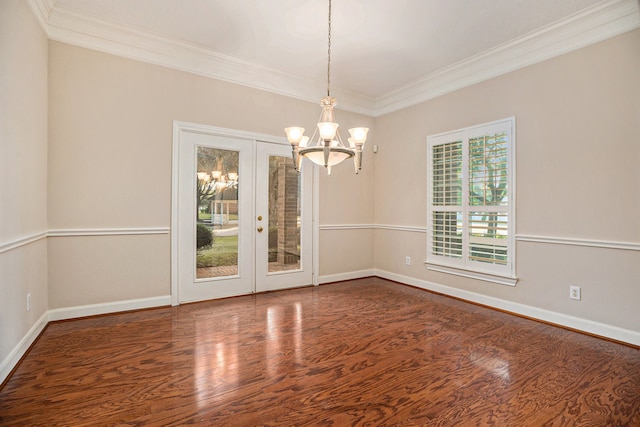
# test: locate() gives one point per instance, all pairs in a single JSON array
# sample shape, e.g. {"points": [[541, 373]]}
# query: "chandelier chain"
{"points": [[329, 55]]}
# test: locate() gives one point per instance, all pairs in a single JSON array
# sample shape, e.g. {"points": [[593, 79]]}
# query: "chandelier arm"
{"points": [[315, 132]]}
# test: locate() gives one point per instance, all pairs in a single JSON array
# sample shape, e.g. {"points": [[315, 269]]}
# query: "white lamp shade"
{"points": [[233, 176], [203, 176], [216, 174], [359, 135], [335, 157], [294, 135], [327, 130], [304, 141]]}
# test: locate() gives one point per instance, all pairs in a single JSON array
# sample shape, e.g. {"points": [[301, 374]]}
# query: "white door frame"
{"points": [[180, 127]]}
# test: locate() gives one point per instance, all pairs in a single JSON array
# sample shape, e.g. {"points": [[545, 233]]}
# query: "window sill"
{"points": [[502, 280]]}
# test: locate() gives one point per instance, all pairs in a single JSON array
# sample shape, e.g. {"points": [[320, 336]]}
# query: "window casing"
{"points": [[471, 202]]}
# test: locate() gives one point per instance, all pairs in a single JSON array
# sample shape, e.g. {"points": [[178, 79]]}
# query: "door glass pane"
{"points": [[284, 215], [217, 213]]}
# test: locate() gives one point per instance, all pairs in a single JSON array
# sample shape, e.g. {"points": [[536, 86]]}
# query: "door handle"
{"points": [[260, 229]]}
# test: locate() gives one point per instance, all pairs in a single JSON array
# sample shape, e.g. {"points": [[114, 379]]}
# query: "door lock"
{"points": [[260, 229]]}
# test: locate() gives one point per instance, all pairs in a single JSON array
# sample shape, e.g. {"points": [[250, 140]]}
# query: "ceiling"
{"points": [[385, 54]]}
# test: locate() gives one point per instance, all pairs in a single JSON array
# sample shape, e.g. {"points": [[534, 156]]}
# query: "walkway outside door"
{"points": [[243, 215]]}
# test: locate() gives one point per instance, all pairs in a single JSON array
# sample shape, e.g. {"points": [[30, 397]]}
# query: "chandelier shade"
{"points": [[325, 146], [328, 158]]}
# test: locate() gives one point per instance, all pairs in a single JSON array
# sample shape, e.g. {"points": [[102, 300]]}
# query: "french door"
{"points": [[243, 216]]}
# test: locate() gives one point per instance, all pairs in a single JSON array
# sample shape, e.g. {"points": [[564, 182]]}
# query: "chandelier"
{"points": [[325, 147]]}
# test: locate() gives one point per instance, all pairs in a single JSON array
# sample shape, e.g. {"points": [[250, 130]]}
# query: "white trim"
{"points": [[351, 275], [175, 222], [590, 26], [22, 241], [181, 126], [347, 227], [21, 348], [501, 280], [40, 10], [587, 27], [71, 232], [108, 308], [316, 227], [571, 241], [409, 228], [74, 28], [605, 244], [12, 359], [584, 325]]}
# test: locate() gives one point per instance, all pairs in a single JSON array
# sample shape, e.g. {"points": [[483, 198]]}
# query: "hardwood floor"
{"points": [[364, 352]]}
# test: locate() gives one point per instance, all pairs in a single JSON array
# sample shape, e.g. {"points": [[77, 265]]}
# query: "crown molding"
{"points": [[605, 20], [76, 29], [590, 26], [41, 10]]}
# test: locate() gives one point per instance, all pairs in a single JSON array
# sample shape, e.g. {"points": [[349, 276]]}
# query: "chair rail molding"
{"points": [[22, 241], [572, 241], [410, 228], [552, 240], [71, 232]]}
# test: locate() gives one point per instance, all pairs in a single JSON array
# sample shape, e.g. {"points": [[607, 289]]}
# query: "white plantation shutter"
{"points": [[447, 174], [447, 197], [470, 218]]}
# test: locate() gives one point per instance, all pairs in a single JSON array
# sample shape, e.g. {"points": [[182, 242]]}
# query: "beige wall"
{"points": [[23, 172], [110, 148], [345, 251], [578, 174], [86, 145], [107, 269]]}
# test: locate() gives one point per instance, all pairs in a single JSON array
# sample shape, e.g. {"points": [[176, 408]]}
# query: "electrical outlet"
{"points": [[574, 292], [29, 301], [407, 260]]}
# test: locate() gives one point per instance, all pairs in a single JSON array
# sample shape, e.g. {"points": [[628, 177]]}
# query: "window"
{"points": [[471, 221]]}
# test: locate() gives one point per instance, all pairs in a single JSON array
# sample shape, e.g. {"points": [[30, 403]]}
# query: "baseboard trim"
{"points": [[588, 326], [107, 308], [340, 277], [12, 360]]}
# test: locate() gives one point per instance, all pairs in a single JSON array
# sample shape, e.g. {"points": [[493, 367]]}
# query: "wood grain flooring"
{"points": [[365, 352]]}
